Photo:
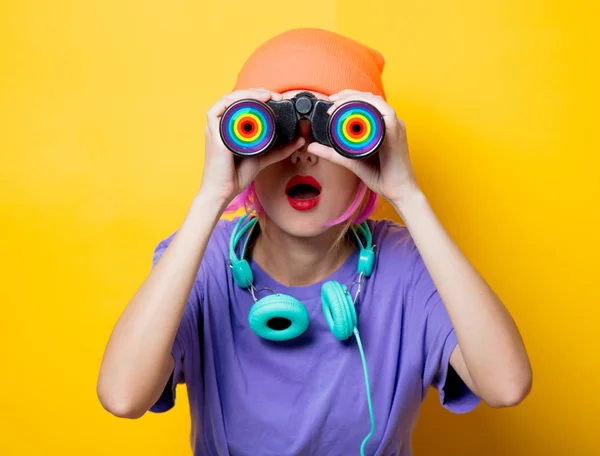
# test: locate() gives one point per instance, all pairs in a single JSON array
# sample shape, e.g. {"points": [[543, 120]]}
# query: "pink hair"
{"points": [[359, 210]]}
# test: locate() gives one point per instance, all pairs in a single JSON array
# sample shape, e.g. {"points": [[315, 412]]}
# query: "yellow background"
{"points": [[101, 118]]}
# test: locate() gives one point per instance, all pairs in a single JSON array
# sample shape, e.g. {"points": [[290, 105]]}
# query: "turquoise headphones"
{"points": [[280, 317]]}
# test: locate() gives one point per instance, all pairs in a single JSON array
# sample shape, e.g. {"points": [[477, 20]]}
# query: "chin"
{"points": [[301, 224]]}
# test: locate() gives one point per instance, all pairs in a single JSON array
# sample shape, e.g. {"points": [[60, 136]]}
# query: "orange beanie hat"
{"points": [[313, 59]]}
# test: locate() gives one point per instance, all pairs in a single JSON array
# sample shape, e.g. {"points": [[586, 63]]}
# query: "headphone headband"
{"points": [[365, 262], [237, 234]]}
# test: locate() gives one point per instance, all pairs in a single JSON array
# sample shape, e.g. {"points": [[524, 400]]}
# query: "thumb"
{"points": [[280, 153], [331, 155]]}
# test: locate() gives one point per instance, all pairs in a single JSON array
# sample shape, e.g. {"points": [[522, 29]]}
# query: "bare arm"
{"points": [[137, 362], [490, 356]]}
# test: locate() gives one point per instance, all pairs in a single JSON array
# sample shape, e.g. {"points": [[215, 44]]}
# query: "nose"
{"points": [[302, 155], [304, 130]]}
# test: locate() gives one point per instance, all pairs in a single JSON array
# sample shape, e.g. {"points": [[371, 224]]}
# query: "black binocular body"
{"points": [[250, 127]]}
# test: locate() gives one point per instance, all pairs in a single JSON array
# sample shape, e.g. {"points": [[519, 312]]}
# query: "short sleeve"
{"points": [[438, 344], [186, 338]]}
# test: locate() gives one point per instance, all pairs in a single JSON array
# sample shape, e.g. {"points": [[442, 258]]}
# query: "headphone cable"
{"points": [[364, 362]]}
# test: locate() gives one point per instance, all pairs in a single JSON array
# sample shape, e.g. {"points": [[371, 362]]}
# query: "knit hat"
{"points": [[313, 59]]}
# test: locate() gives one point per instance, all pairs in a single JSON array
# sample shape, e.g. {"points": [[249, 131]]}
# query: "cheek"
{"points": [[343, 189], [266, 184]]}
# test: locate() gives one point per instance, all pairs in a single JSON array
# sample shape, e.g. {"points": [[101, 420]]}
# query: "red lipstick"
{"points": [[303, 192]]}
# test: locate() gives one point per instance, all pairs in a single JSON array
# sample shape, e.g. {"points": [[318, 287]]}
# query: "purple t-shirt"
{"points": [[250, 396]]}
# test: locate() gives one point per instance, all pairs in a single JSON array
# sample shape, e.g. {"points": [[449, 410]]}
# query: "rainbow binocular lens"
{"points": [[249, 127]]}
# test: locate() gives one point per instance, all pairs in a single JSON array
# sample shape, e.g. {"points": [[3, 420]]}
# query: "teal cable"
{"points": [[237, 234], [364, 361]]}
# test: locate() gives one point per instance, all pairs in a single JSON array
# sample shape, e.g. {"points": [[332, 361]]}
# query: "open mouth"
{"points": [[303, 192]]}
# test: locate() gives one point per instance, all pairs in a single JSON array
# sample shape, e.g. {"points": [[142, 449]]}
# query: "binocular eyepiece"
{"points": [[250, 128]]}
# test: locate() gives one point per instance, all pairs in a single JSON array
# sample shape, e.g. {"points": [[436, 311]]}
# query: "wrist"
{"points": [[408, 201], [210, 201]]}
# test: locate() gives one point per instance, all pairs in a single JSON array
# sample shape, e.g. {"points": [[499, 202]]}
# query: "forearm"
{"points": [[489, 341], [137, 362]]}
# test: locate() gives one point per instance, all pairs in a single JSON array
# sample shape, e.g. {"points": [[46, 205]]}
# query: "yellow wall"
{"points": [[102, 113]]}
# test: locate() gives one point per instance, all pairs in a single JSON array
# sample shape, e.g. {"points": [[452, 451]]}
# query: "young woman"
{"points": [[306, 327]]}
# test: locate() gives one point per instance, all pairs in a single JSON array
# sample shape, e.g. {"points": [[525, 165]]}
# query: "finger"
{"points": [[379, 103], [392, 123], [260, 90], [329, 154], [220, 106], [280, 153], [216, 111], [274, 95], [345, 93]]}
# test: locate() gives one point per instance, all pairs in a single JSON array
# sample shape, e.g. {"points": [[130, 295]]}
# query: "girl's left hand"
{"points": [[389, 172]]}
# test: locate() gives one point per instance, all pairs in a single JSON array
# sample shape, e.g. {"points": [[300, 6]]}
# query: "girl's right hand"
{"points": [[225, 175]]}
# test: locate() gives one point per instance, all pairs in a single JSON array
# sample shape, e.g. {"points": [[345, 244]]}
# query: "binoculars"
{"points": [[250, 128]]}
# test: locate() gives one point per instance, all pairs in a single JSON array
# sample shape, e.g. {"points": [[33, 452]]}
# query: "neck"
{"points": [[294, 261]]}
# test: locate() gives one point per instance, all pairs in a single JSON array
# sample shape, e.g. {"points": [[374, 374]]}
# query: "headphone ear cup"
{"points": [[338, 309], [366, 262], [278, 317], [242, 273]]}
